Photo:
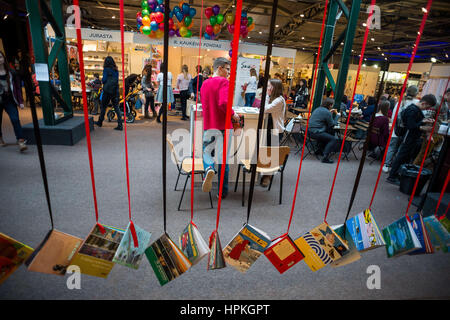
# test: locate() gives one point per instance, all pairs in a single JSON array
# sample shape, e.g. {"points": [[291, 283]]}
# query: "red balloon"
{"points": [[159, 17], [209, 29], [244, 21], [208, 12], [153, 16], [161, 26], [230, 28], [139, 14], [243, 29]]}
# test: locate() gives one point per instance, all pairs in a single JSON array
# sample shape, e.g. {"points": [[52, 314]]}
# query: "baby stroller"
{"points": [[130, 105]]}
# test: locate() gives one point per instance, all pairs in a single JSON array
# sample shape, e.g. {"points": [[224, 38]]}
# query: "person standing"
{"points": [[197, 81], [302, 95], [149, 90], [251, 87], [159, 93], [10, 98], [183, 80], [214, 95], [95, 85], [110, 82], [415, 122]]}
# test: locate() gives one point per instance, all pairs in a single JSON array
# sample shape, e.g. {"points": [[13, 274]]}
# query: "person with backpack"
{"points": [[399, 131], [415, 123], [110, 82]]}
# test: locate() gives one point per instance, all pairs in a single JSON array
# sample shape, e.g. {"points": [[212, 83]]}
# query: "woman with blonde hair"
{"points": [[251, 87], [183, 80]]}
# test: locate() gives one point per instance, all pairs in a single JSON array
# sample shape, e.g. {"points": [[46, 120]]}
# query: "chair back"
{"points": [[172, 148], [266, 160]]}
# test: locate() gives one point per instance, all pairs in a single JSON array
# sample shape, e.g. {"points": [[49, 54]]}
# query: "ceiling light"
{"points": [[303, 48], [424, 10], [260, 32], [303, 38], [113, 17], [5, 17], [375, 66], [446, 55], [385, 59], [364, 24], [382, 54], [276, 26], [373, 39], [378, 48], [248, 37], [302, 15], [433, 59], [364, 64]]}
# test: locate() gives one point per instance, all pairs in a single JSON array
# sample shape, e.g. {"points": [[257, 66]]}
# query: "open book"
{"points": [[349, 256], [215, 256], [400, 238], [192, 244], [422, 234], [283, 254], [439, 236], [364, 231], [167, 260], [127, 255], [12, 254], [245, 247]]}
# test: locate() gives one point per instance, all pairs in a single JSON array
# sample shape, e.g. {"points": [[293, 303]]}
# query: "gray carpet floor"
{"points": [[24, 216]]}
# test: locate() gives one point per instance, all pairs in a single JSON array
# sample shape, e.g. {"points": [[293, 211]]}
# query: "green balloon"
{"points": [[145, 12], [188, 34], [146, 30], [219, 18], [187, 21], [144, 4], [249, 21], [213, 20]]}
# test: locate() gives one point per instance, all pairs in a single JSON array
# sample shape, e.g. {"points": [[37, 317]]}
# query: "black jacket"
{"points": [[412, 118]]}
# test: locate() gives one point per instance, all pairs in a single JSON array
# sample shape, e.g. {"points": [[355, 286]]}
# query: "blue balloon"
{"points": [[160, 1], [171, 14], [180, 16], [176, 9], [207, 37], [159, 9], [154, 25], [192, 12], [185, 8], [244, 14]]}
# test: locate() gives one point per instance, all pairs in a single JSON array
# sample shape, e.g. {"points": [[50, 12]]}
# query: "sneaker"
{"points": [[98, 123], [158, 120], [224, 195], [2, 142], [207, 182], [386, 169], [327, 160], [22, 145], [394, 181], [118, 128]]}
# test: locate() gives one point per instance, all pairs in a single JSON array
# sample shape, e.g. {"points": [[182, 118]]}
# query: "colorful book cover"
{"points": [[127, 255], [446, 223], [95, 257], [215, 256], [54, 254], [192, 244], [439, 236], [364, 231], [283, 254], [12, 254], [247, 246], [167, 260], [422, 234], [400, 238], [352, 254]]}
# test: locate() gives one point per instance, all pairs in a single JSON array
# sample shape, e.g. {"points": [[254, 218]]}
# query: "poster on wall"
{"points": [[242, 77]]}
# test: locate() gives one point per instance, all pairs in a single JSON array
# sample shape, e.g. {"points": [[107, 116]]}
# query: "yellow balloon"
{"points": [[159, 33], [229, 18], [146, 21], [183, 31]]}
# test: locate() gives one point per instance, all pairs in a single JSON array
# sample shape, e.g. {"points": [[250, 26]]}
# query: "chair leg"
{"points": [[184, 189], [243, 187], [176, 184], [270, 185], [210, 200], [281, 186], [237, 178]]}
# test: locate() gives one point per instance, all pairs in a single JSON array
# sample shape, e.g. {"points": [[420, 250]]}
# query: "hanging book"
{"points": [[349, 256], [95, 257], [167, 260], [54, 254], [12, 255], [129, 256], [400, 238], [321, 246], [422, 234], [215, 257], [446, 223], [283, 253], [364, 231], [192, 244], [439, 236], [246, 247]]}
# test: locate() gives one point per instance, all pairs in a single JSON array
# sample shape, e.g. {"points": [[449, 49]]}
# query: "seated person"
{"points": [[379, 135], [368, 109], [321, 125]]}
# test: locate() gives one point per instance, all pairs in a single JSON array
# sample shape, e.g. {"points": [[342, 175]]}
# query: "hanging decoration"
{"points": [[247, 23], [216, 19]]}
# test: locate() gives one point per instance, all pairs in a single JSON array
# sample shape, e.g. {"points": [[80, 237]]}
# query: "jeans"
{"points": [[328, 139], [213, 140], [114, 98], [11, 109], [184, 95], [249, 99], [149, 100], [392, 150]]}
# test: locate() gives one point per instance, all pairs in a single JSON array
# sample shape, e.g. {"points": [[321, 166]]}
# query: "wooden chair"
{"points": [[357, 141], [185, 168], [270, 168]]}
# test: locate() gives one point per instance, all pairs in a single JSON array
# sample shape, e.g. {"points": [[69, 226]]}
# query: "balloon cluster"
{"points": [[247, 23], [150, 21], [215, 19]]}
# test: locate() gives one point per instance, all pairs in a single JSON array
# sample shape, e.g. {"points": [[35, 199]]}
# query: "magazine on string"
{"points": [[192, 244], [12, 254], [215, 256], [439, 236], [283, 253], [349, 256], [400, 238], [245, 247], [364, 231], [422, 234]]}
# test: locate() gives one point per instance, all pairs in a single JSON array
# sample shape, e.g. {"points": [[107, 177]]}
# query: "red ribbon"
{"points": [[85, 111], [132, 229], [422, 26], [361, 58]]}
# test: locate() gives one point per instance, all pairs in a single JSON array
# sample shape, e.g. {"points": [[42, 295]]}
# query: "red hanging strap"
{"points": [[426, 152], [132, 229], [234, 57], [416, 45], [195, 115], [85, 111], [361, 58]]}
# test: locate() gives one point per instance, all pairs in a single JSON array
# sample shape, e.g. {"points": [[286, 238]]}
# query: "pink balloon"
{"points": [[243, 29], [244, 21], [209, 29], [230, 28]]}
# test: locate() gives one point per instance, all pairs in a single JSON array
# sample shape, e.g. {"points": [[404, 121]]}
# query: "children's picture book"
{"points": [[400, 238], [283, 253], [167, 260], [95, 257], [246, 246], [215, 256], [446, 223], [352, 254], [127, 255], [422, 234], [439, 236], [55, 254], [192, 244], [364, 231], [12, 254]]}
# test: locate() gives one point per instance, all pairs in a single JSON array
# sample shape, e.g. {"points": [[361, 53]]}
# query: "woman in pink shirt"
{"points": [[214, 93]]}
